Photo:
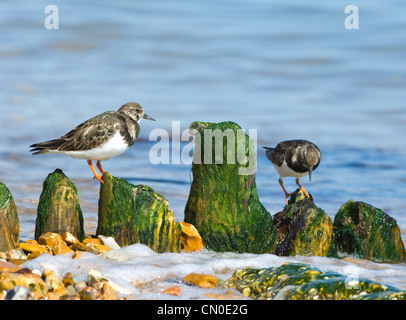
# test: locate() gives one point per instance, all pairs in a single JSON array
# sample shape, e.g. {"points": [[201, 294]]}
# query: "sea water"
{"points": [[288, 70], [140, 273]]}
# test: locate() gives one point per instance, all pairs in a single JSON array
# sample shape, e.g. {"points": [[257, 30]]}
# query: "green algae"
{"points": [[59, 209], [223, 203], [136, 214], [298, 281], [367, 232], [303, 228], [9, 222]]}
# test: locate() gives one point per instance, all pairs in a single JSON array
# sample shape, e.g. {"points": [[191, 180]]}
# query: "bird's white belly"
{"points": [[285, 171], [111, 148]]}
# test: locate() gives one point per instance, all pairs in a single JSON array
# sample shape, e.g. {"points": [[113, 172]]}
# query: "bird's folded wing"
{"points": [[85, 136]]}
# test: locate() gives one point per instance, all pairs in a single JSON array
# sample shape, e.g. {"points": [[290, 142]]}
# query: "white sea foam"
{"points": [[146, 273]]}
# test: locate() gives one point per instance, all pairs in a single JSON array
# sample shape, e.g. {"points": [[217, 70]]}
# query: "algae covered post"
{"points": [[59, 209], [136, 214], [9, 222], [303, 228], [368, 233], [223, 203]]}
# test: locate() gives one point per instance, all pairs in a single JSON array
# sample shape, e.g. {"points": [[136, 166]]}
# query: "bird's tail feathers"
{"points": [[45, 147]]}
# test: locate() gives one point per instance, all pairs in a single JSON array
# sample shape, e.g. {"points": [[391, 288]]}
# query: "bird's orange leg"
{"points": [[284, 190], [301, 188], [99, 166], [89, 162]]}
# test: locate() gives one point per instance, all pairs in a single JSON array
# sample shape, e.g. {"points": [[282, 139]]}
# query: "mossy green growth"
{"points": [[59, 209], [136, 214], [9, 222], [366, 232], [297, 281], [223, 203], [303, 228]]}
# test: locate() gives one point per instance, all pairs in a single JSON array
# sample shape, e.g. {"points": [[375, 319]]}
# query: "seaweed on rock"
{"points": [[298, 281]]}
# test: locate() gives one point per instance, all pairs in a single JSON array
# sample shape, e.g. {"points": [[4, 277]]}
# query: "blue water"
{"points": [[289, 70]]}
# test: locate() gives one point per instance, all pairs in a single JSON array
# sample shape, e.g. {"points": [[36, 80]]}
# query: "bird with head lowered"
{"points": [[294, 158]]}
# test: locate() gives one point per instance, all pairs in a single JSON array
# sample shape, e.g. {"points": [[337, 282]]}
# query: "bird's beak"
{"points": [[310, 174], [267, 148], [145, 116]]}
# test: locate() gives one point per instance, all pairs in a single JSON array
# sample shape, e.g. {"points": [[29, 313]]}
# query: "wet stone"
{"points": [[55, 242], [69, 238], [6, 266], [173, 290], [31, 281], [68, 279], [19, 293], [37, 248], [190, 238], [89, 293], [108, 293], [201, 280], [298, 281], [53, 282], [108, 242]]}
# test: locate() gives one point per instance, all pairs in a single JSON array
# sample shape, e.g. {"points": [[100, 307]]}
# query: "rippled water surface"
{"points": [[288, 70]]}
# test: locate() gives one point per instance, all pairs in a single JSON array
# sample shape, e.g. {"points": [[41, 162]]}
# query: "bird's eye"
{"points": [[138, 110]]}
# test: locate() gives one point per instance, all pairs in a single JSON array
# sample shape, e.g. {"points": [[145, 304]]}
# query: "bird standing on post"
{"points": [[294, 158], [100, 138]]}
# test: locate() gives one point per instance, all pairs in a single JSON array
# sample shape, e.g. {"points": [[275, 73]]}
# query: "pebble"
{"points": [[55, 243], [49, 239], [23, 283], [68, 279], [33, 247], [96, 248], [80, 285], [89, 293], [19, 293], [70, 290], [16, 254], [69, 238], [201, 280], [190, 238], [174, 291], [108, 242], [91, 240], [108, 293], [33, 282], [6, 266], [53, 282], [96, 280]]}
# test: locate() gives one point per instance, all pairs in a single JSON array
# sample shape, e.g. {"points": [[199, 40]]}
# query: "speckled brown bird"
{"points": [[100, 138], [294, 158]]}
